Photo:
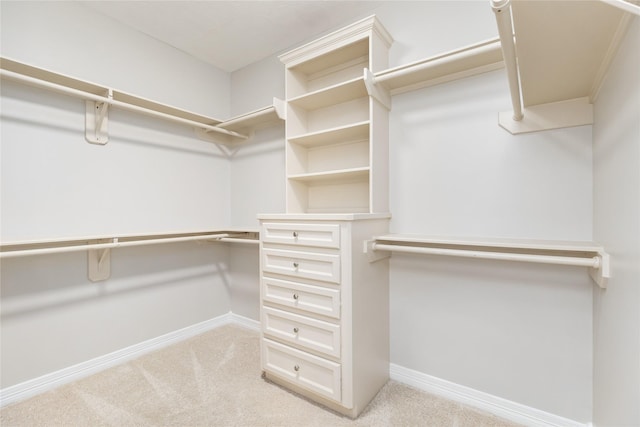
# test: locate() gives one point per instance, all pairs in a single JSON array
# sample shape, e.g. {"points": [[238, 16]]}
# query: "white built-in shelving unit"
{"points": [[337, 134]]}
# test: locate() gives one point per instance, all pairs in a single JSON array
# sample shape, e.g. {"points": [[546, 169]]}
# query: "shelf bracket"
{"points": [[554, 115], [372, 254], [378, 93], [280, 107], [223, 142], [97, 120], [602, 273], [99, 261]]}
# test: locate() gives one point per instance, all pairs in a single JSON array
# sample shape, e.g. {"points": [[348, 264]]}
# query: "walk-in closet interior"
{"points": [[444, 194]]}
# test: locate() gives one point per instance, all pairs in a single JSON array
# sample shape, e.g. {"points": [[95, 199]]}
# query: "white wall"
{"points": [[520, 332], [69, 38], [152, 176], [616, 142]]}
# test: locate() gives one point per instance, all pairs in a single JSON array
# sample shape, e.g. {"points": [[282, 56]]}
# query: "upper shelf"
{"points": [[256, 119], [563, 48], [449, 66], [232, 130], [557, 54]]}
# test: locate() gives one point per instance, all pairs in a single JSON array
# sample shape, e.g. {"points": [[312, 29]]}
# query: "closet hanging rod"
{"points": [[238, 240], [593, 262], [479, 55], [32, 81], [502, 11], [579, 254], [114, 243]]}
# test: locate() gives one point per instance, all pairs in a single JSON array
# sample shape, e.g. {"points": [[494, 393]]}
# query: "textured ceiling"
{"points": [[233, 34]]}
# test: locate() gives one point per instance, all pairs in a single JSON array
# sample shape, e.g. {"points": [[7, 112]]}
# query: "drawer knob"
{"points": [[295, 234], [296, 368], [296, 296], [295, 330], [295, 265]]}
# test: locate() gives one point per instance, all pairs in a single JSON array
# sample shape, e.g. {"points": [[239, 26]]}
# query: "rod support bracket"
{"points": [[97, 120], [374, 255], [99, 262], [602, 273], [374, 90]]}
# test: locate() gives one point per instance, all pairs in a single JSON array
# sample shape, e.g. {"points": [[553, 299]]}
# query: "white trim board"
{"points": [[498, 406], [67, 375]]}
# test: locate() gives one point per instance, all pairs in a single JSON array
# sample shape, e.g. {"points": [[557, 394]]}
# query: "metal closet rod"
{"points": [[593, 262], [132, 107], [115, 243]]}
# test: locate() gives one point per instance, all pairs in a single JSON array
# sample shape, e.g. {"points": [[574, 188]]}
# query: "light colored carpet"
{"points": [[214, 380]]}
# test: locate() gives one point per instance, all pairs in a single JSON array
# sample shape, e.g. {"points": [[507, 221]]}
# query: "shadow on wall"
{"points": [[151, 132], [53, 282]]}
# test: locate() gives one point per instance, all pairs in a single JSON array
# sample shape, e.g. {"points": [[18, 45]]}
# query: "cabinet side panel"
{"points": [[370, 315], [379, 152]]}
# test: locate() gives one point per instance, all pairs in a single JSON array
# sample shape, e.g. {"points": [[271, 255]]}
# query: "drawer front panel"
{"points": [[311, 333], [318, 266], [318, 235], [313, 299], [305, 370]]}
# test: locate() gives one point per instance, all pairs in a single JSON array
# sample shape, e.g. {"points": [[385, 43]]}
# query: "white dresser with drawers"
{"points": [[324, 307]]}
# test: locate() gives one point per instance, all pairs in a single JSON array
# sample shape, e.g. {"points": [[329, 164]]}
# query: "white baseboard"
{"points": [[56, 379], [498, 406], [251, 324]]}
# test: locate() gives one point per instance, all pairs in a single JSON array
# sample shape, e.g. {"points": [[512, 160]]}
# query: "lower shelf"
{"points": [[582, 254]]}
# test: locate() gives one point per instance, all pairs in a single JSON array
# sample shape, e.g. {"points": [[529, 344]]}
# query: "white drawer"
{"points": [[309, 265], [293, 328], [313, 299], [303, 369], [319, 235]]}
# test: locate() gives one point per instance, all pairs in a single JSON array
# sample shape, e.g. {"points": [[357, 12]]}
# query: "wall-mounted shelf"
{"points": [[99, 247], [456, 64], [557, 65], [99, 98], [582, 254], [249, 122], [337, 134]]}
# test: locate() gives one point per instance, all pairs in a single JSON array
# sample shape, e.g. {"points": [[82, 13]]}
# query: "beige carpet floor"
{"points": [[214, 380]]}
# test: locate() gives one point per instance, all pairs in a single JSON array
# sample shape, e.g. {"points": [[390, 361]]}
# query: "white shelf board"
{"points": [[503, 243], [41, 74], [467, 61], [335, 176], [72, 240], [572, 253], [351, 216], [336, 94], [569, 59], [255, 119], [351, 132]]}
